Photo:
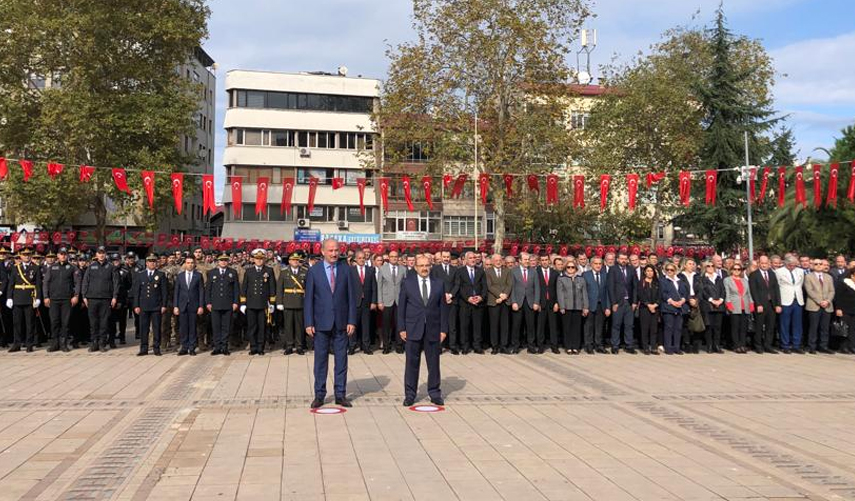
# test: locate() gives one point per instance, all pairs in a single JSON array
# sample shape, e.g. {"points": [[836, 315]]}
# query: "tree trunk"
{"points": [[498, 222], [100, 210], [654, 228]]}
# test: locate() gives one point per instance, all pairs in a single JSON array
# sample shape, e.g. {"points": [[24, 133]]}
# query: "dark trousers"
{"points": [[324, 341], [648, 326], [571, 322], [99, 317], [293, 329], [595, 322], [390, 321], [623, 318], [24, 319], [672, 331], [547, 320], [713, 331], [453, 318], [362, 337], [118, 324], [738, 329], [524, 314], [220, 323], [413, 351], [498, 325], [150, 321], [470, 325], [187, 328], [819, 327], [256, 319], [764, 326], [60, 316]]}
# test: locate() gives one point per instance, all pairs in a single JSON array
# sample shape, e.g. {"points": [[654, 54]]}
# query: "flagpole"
{"points": [[748, 200], [477, 181]]}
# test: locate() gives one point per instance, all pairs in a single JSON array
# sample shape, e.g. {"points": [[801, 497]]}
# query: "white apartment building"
{"points": [[301, 125]]}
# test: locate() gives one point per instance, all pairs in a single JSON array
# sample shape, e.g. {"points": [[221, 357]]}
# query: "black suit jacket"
{"points": [[467, 289], [365, 293], [763, 295], [548, 291], [620, 286], [189, 298], [448, 279], [420, 321]]}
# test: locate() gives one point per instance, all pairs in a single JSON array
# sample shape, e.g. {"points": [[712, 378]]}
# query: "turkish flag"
{"points": [[148, 186], [850, 193], [446, 180], [711, 177], [654, 177], [752, 176], [834, 173], [209, 203], [384, 193], [685, 187], [54, 169], [70, 235], [313, 188], [205, 243], [177, 179], [175, 241], [533, 183], [801, 197], [578, 192], [121, 180], [287, 190], [237, 195], [763, 184], [4, 168], [261, 188], [782, 186], [551, 189], [817, 186], [360, 187], [509, 185], [632, 188], [605, 181], [458, 185], [484, 186], [408, 195], [427, 181], [337, 182], [86, 172], [27, 166]]}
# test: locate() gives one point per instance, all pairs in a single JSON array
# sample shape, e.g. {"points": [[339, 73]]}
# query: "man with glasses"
{"points": [[389, 278], [766, 293], [621, 284], [819, 288], [790, 282], [598, 306]]}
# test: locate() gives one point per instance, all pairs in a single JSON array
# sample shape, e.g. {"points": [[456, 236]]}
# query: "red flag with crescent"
{"points": [[551, 189], [632, 189], [654, 177], [458, 185], [801, 196], [408, 195], [605, 182], [121, 180], [27, 167], [360, 187], [484, 186], [261, 188], [533, 183], [313, 188], [209, 203], [509, 185], [287, 190], [54, 169], [578, 191], [711, 179], [817, 186], [177, 179], [337, 183], [384, 193], [764, 182], [427, 182], [685, 187], [237, 195], [86, 172], [782, 186], [148, 186], [446, 180], [4, 168], [850, 193], [833, 174]]}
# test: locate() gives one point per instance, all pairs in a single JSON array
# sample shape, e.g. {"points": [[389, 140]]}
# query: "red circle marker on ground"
{"points": [[328, 411], [427, 408]]}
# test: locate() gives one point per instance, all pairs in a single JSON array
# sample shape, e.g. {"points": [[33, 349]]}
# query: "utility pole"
{"points": [[747, 177]]}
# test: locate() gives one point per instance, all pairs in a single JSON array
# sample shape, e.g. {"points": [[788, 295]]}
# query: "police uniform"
{"points": [[61, 283], [222, 290], [203, 322], [257, 293], [290, 291], [151, 297], [23, 295], [5, 313], [100, 287], [119, 315], [79, 326]]}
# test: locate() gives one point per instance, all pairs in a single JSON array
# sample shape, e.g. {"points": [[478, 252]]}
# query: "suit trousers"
{"points": [[498, 325], [595, 322], [453, 318], [713, 331], [362, 337], [791, 326], [150, 321], [547, 319], [413, 351], [764, 326], [470, 325], [820, 322], [24, 320], [99, 316], [256, 320], [623, 317], [187, 328], [118, 325], [324, 341], [649, 326], [738, 330], [524, 315], [571, 322], [293, 331], [220, 322], [672, 330], [390, 321], [60, 315]]}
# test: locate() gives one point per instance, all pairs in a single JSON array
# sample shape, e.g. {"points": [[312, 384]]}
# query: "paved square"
{"points": [[628, 427]]}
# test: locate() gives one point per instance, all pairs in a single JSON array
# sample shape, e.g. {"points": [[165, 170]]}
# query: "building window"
{"points": [[417, 223], [578, 119], [324, 176], [660, 231], [302, 139], [320, 213], [354, 215], [303, 101]]}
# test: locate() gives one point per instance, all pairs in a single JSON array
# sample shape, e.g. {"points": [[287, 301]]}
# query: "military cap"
{"points": [[3, 251], [151, 257], [50, 254], [223, 257], [130, 255], [115, 257], [259, 253], [101, 248], [37, 255], [62, 250], [25, 252], [296, 255]]}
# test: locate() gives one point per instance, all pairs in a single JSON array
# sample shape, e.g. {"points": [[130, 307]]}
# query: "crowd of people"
{"points": [[504, 304]]}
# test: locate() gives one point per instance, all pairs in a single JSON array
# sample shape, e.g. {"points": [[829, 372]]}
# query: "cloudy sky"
{"points": [[812, 43]]}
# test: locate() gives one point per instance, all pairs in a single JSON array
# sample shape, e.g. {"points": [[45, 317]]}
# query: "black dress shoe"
{"points": [[343, 401], [215, 352], [589, 350], [479, 351], [632, 351], [317, 402], [505, 351], [679, 352], [408, 402], [798, 351], [260, 352], [646, 351], [182, 352], [555, 350], [541, 350], [351, 351], [615, 351], [104, 349], [92, 348], [52, 349], [825, 351], [192, 353], [494, 351], [157, 353], [29, 349], [812, 351], [142, 353], [368, 351], [601, 350], [785, 351], [226, 352], [465, 351], [772, 351], [437, 401], [386, 351], [15, 348], [399, 349], [301, 351]]}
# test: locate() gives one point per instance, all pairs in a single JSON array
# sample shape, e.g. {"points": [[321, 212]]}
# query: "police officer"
{"points": [[150, 300], [203, 322], [5, 313], [135, 266], [100, 292], [257, 300], [118, 325], [61, 290], [222, 290], [79, 326], [23, 297], [290, 291]]}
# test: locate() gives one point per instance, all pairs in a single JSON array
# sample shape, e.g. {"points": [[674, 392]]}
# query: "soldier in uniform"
{"points": [[276, 318], [79, 326], [42, 315], [23, 294], [222, 290], [135, 267], [118, 325], [5, 313], [168, 328], [61, 290], [238, 319], [257, 299], [100, 292], [203, 322], [290, 291], [150, 301]]}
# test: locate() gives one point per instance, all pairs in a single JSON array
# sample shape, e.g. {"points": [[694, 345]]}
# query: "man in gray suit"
{"points": [[498, 292], [389, 278], [819, 304], [525, 301]]}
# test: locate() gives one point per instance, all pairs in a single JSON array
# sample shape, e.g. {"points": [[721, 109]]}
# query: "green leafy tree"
{"points": [[112, 97]]}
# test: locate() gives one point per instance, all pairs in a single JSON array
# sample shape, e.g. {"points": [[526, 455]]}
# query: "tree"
{"points": [[114, 99], [502, 59]]}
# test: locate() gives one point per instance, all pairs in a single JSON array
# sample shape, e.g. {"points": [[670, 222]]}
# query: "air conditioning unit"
{"points": [[305, 152], [343, 225], [304, 223]]}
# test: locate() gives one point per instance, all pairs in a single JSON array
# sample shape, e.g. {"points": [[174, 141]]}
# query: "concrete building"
{"points": [[301, 125]]}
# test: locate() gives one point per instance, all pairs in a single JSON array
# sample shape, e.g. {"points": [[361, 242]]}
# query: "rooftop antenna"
{"points": [[583, 56]]}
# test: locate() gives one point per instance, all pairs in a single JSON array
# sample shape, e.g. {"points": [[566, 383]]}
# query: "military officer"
{"points": [[203, 322], [222, 290], [150, 300], [5, 313], [169, 328], [135, 266], [290, 291], [119, 315], [100, 293], [257, 300], [61, 290], [23, 297]]}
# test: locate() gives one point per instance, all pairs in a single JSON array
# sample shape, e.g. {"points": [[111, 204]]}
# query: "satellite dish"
{"points": [[583, 77], [342, 71]]}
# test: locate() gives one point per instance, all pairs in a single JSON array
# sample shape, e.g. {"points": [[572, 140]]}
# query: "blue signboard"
{"points": [[307, 235]]}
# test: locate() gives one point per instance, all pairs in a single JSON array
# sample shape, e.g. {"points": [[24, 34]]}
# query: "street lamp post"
{"points": [[747, 177]]}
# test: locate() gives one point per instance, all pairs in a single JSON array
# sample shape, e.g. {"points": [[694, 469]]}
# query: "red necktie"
{"points": [[546, 276], [332, 278], [525, 275], [361, 275]]}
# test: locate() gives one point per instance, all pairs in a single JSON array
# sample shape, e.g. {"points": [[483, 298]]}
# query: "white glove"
{"points": [[9, 303], [36, 303], [270, 308], [280, 307], [243, 309]]}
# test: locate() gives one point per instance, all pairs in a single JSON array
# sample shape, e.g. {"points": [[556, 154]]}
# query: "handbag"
{"points": [[839, 328], [696, 320]]}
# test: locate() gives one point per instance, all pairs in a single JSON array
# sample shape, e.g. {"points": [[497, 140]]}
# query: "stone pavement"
{"points": [[116, 426]]}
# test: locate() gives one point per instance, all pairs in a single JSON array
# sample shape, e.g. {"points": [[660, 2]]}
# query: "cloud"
{"points": [[816, 71]]}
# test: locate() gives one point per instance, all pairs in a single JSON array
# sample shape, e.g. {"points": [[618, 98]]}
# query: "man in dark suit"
{"points": [[446, 272], [188, 304], [330, 316], [621, 284], [598, 304], [472, 286], [150, 299], [364, 283], [525, 303], [763, 284], [547, 277], [222, 290], [422, 324]]}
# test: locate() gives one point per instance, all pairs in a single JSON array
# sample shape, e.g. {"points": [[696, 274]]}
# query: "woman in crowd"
{"points": [[648, 309], [712, 306], [572, 295], [739, 306], [674, 296], [844, 303]]}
